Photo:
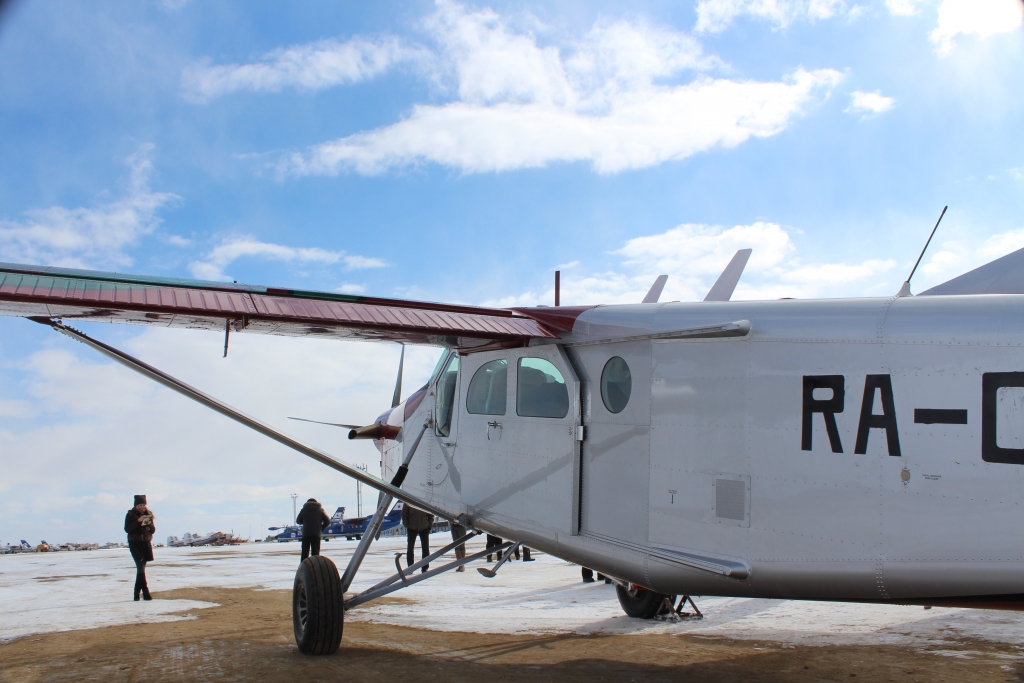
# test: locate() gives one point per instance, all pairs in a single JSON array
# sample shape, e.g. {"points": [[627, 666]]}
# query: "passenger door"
{"points": [[615, 469], [518, 422]]}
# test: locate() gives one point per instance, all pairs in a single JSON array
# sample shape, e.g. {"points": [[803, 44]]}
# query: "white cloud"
{"points": [[606, 99], [351, 288], [869, 103], [362, 262], [309, 67], [88, 237], [694, 255], [16, 408], [714, 16], [957, 256], [983, 18], [176, 240], [705, 249], [905, 7], [211, 266]]}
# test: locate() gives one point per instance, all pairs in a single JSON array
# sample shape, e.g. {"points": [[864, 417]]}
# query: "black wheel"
{"points": [[641, 603], [317, 610]]}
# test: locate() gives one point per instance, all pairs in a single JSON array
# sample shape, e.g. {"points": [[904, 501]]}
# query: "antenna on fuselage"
{"points": [[905, 289]]}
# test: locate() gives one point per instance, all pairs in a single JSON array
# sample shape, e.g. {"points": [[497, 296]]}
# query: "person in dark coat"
{"points": [[417, 523], [140, 527], [314, 520]]}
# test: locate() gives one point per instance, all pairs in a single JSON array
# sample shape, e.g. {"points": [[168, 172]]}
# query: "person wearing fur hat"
{"points": [[314, 520], [140, 527]]}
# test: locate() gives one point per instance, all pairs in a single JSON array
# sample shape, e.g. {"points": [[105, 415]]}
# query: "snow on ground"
{"points": [[44, 592]]}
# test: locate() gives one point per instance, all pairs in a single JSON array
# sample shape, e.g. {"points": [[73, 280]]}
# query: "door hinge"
{"points": [[579, 432]]}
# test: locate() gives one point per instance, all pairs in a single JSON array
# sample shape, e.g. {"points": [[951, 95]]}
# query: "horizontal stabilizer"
{"points": [[725, 285], [655, 292], [1003, 276]]}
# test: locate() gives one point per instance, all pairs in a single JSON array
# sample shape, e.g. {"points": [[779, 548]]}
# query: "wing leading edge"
{"points": [[34, 292]]}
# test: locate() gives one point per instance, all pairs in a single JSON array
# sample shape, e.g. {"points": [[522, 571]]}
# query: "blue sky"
{"points": [[454, 152]]}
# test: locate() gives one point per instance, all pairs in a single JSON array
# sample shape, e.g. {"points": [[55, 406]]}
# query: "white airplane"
{"points": [[864, 450]]}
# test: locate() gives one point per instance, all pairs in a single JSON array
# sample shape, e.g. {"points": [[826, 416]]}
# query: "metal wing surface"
{"points": [[37, 291]]}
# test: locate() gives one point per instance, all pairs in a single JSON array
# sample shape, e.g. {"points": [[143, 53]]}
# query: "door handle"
{"points": [[492, 423]]}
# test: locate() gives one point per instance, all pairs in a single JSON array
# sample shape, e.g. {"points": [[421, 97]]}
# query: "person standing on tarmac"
{"points": [[493, 542], [140, 527], [417, 523], [314, 520], [458, 533]]}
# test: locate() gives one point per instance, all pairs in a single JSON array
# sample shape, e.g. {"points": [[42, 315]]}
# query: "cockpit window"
{"points": [[446, 396], [540, 390], [489, 389], [437, 366]]}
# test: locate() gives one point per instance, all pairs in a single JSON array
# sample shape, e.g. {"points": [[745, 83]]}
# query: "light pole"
{"points": [[295, 511], [359, 492]]}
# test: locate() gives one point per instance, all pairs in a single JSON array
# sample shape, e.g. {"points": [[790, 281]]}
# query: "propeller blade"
{"points": [[397, 398], [330, 424]]}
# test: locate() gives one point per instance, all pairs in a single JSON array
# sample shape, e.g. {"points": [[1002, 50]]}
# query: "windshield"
{"points": [[446, 386]]}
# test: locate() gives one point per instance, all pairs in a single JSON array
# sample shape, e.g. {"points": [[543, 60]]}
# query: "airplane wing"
{"points": [[45, 292]]}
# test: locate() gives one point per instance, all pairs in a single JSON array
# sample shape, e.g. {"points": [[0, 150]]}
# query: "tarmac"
{"points": [[53, 605]]}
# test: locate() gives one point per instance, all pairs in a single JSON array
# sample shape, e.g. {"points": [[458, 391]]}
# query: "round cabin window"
{"points": [[616, 385]]}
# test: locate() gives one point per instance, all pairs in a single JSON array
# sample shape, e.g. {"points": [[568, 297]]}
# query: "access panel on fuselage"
{"points": [[733, 471], [952, 502], [699, 445]]}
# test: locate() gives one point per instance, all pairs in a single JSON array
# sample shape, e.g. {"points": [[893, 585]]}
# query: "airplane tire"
{"points": [[641, 603], [318, 614]]}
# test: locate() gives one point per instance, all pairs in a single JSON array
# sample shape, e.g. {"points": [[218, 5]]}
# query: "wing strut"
{"points": [[240, 417]]}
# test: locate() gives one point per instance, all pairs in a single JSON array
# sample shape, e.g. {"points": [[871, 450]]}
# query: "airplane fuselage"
{"points": [[868, 449]]}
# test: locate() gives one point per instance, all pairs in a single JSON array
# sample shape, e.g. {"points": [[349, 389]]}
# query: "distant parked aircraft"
{"points": [[350, 529]]}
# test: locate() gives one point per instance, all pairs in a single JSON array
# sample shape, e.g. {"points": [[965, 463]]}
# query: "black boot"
{"points": [[136, 595], [146, 595]]}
